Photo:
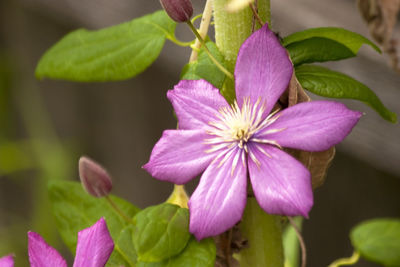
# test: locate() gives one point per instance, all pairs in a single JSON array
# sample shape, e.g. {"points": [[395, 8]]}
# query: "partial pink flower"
{"points": [[7, 261], [231, 142], [94, 247]]}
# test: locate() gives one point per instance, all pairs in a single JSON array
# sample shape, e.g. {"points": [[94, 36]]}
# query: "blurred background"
{"points": [[47, 125]]}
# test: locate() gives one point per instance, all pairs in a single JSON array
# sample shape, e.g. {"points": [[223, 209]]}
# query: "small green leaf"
{"points": [[114, 53], [124, 246], [317, 49], [324, 82], [204, 68], [75, 210], [195, 254], [324, 44], [161, 232], [378, 240]]}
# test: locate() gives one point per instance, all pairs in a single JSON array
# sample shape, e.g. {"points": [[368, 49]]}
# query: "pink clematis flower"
{"points": [[93, 249], [230, 143], [7, 261]]}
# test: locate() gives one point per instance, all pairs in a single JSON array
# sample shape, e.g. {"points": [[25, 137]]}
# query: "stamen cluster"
{"points": [[237, 126]]}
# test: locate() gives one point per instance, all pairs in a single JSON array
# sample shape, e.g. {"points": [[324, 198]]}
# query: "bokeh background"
{"points": [[46, 125]]}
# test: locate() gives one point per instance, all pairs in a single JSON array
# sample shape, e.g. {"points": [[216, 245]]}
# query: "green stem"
{"points": [[119, 211], [301, 241], [268, 11], [264, 235], [263, 231], [177, 42], [203, 43], [346, 261], [193, 20], [203, 30], [231, 30]]}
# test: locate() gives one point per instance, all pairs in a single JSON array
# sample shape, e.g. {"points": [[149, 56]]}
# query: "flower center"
{"points": [[241, 132], [236, 126]]}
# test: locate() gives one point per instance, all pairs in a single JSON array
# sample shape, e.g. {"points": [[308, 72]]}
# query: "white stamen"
{"points": [[226, 156], [263, 151], [253, 157], [234, 162], [236, 126]]}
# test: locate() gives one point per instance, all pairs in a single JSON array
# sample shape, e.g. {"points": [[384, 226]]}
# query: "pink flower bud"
{"points": [[95, 179], [178, 10]]}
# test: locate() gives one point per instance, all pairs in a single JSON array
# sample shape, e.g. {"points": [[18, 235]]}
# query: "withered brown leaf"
{"points": [[381, 17], [316, 162]]}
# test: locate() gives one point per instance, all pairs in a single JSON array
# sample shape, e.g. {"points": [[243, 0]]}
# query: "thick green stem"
{"points": [[262, 231], [231, 30], [264, 235]]}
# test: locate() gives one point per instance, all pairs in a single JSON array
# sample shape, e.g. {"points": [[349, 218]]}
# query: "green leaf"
{"points": [[75, 210], [378, 240], [196, 254], [126, 253], [162, 231], [114, 53], [15, 156], [317, 49], [324, 82], [324, 44], [204, 68]]}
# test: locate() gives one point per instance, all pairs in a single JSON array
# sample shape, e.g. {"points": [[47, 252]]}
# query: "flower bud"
{"points": [[95, 179], [178, 10]]}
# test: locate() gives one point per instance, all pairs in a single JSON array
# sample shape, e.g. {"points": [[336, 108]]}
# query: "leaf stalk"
{"points": [[118, 210], [346, 261], [213, 59]]}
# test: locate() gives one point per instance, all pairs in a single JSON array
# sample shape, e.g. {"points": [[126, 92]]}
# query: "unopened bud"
{"points": [[95, 179], [178, 10]]}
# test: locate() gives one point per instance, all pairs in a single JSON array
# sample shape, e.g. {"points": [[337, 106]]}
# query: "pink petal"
{"points": [[95, 246], [41, 254], [312, 126], [7, 261], [218, 202], [281, 184], [195, 103], [179, 156], [263, 69]]}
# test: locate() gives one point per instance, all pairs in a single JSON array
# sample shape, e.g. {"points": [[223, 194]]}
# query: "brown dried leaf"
{"points": [[381, 17], [316, 162]]}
